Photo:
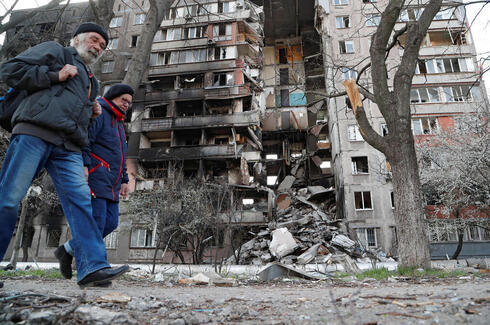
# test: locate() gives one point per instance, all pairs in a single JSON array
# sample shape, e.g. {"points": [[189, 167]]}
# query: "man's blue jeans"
{"points": [[106, 215], [25, 158]]}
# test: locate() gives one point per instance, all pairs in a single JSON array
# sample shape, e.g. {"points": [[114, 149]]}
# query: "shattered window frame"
{"points": [[113, 43], [142, 238], [346, 47], [360, 165], [342, 22]]}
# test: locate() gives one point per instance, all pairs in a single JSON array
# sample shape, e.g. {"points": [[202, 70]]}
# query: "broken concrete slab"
{"points": [[198, 279], [115, 297], [309, 255], [343, 241], [319, 192], [277, 270], [282, 243], [286, 184]]}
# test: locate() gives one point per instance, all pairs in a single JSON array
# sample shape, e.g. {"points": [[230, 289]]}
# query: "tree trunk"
{"points": [[460, 245], [411, 227], [19, 232]]}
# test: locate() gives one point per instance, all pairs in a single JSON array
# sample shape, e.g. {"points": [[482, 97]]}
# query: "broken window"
{"points": [[223, 79], [284, 76], [346, 47], [192, 81], [424, 125], [158, 111], [459, 93], [367, 237], [141, 237], [221, 139], [283, 57], [373, 19], [194, 32], [363, 200], [160, 58], [353, 133], [134, 41], [360, 165], [111, 240], [342, 22], [424, 95], [222, 32], [340, 2], [191, 56]]}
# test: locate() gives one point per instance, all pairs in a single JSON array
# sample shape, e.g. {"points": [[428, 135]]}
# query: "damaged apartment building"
{"points": [[233, 93]]}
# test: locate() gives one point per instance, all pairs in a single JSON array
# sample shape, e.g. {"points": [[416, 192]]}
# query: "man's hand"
{"points": [[68, 71], [85, 172], [124, 190], [96, 110]]}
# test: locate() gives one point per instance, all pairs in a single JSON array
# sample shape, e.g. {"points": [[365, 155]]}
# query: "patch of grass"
{"points": [[43, 274], [378, 274], [341, 275]]}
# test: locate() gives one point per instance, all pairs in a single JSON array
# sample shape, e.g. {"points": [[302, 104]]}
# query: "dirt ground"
{"points": [[396, 301]]}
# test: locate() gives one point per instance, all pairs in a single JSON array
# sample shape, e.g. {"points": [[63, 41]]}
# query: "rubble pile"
{"points": [[305, 231]]}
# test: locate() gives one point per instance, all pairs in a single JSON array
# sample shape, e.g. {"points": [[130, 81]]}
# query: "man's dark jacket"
{"points": [[105, 156], [36, 70]]}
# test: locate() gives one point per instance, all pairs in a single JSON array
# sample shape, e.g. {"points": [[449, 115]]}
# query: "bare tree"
{"points": [[186, 214], [456, 176]]}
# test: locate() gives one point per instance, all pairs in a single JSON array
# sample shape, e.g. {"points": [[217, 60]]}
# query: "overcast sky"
{"points": [[478, 25]]}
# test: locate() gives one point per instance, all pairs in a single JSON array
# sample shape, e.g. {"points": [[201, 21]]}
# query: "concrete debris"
{"points": [[282, 243], [286, 184], [95, 315], [309, 255], [199, 279], [115, 297], [305, 230], [278, 270]]}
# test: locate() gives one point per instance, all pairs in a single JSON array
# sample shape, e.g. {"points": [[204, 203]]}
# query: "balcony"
{"points": [[181, 68], [190, 152], [209, 18], [207, 121]]}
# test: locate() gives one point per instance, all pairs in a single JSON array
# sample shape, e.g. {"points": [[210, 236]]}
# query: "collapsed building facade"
{"points": [[234, 93]]}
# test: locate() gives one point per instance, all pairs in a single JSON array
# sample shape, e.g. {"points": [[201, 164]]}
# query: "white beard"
{"points": [[89, 56]]}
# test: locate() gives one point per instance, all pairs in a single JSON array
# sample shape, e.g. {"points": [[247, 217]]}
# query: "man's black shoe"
{"points": [[65, 260], [106, 284], [102, 275]]}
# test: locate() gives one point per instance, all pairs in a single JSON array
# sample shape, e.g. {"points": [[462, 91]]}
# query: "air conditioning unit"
{"points": [[188, 17], [211, 42]]}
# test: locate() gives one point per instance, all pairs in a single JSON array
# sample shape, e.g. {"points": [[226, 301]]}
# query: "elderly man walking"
{"points": [[105, 166], [50, 129]]}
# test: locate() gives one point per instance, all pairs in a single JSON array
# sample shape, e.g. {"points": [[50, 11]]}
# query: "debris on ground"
{"points": [[305, 231]]}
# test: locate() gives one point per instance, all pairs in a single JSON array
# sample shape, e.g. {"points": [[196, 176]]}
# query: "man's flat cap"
{"points": [[118, 90], [92, 27]]}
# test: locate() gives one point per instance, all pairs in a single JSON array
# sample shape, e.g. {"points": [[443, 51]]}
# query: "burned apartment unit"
{"points": [[446, 84], [226, 97]]}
